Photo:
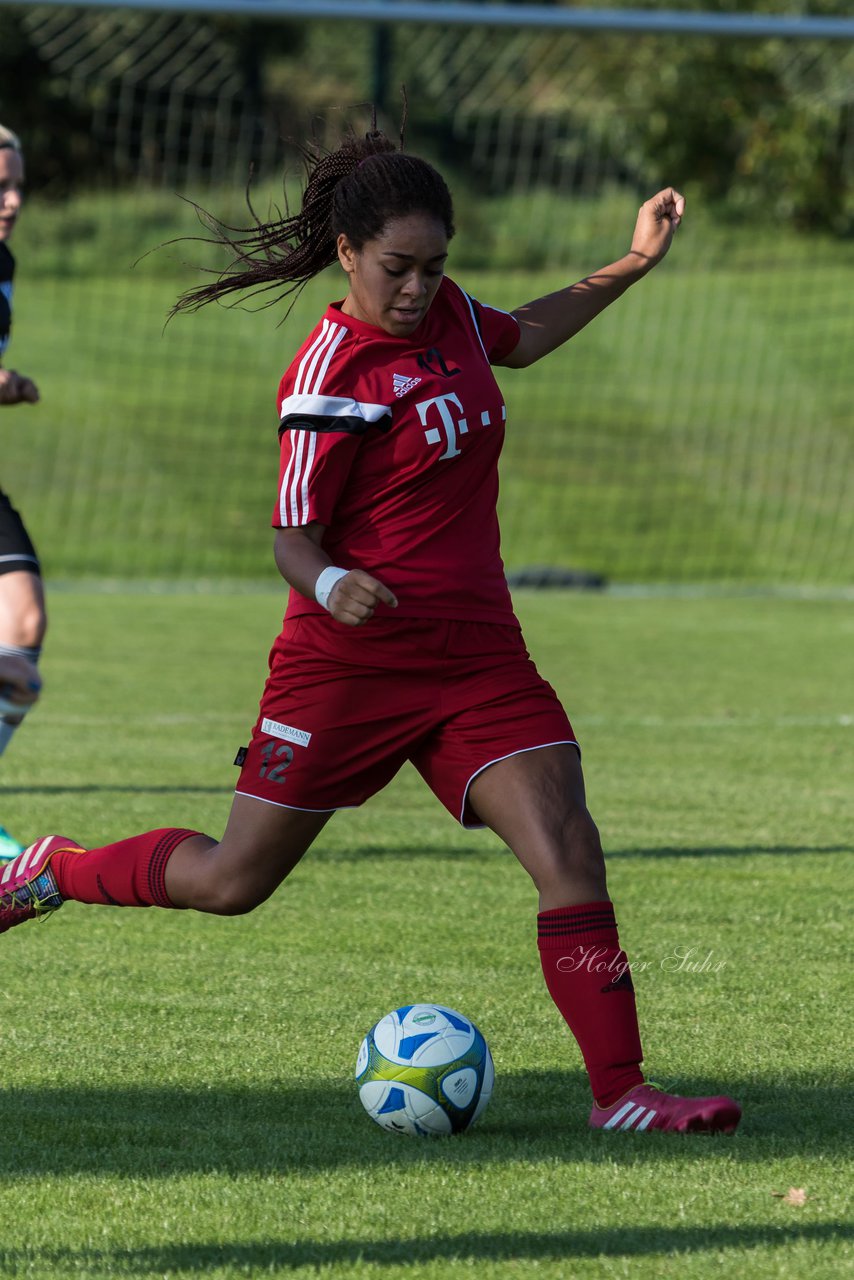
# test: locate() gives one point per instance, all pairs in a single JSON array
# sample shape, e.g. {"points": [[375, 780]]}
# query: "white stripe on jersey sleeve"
{"points": [[327, 353], [320, 352], [306, 472], [331, 407], [306, 401], [299, 454], [309, 360], [293, 494], [286, 479]]}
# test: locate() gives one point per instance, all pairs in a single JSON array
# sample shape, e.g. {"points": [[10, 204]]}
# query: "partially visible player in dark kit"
{"points": [[399, 640], [20, 684], [22, 611]]}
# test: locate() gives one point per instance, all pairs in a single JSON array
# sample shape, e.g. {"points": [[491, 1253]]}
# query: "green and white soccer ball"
{"points": [[424, 1070]]}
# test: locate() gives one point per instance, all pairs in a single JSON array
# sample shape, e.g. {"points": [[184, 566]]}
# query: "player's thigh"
{"points": [[22, 609], [20, 584], [539, 790], [269, 837], [261, 845], [17, 552], [535, 802]]}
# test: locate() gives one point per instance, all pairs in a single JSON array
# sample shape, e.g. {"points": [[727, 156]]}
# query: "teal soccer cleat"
{"points": [[9, 847]]}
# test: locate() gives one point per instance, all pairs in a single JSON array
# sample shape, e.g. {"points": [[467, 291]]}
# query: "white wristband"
{"points": [[326, 581]]}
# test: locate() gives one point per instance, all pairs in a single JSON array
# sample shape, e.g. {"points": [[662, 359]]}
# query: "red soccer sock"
{"points": [[589, 980], [130, 873]]}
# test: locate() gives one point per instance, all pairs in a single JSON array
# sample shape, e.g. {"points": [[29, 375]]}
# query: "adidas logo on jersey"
{"points": [[402, 384]]}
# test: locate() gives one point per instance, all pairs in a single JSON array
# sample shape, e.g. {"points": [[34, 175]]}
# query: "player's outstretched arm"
{"points": [[550, 321], [16, 389], [301, 560]]}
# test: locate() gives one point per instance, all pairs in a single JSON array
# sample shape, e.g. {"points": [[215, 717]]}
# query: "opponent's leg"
{"points": [[23, 619], [535, 802], [169, 867], [22, 627]]}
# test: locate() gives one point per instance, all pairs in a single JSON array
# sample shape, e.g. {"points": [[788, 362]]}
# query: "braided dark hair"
{"points": [[356, 190]]}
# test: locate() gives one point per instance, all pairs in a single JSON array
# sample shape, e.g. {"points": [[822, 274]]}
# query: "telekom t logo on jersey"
{"points": [[451, 424], [454, 426]]}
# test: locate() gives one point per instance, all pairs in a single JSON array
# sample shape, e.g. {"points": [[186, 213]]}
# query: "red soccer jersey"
{"points": [[393, 444]]}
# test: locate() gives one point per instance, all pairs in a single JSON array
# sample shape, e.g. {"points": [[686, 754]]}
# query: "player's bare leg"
{"points": [[535, 802], [167, 867], [23, 620], [261, 845], [22, 628]]}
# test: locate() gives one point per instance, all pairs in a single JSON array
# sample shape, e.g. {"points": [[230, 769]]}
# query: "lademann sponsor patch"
{"points": [[286, 731]]}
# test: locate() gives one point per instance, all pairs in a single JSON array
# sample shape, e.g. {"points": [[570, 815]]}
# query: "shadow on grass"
{"points": [[484, 1246], [535, 1116], [741, 851], [461, 844], [458, 842], [89, 789]]}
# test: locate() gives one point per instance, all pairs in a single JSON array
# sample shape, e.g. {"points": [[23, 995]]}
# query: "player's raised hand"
{"points": [[354, 598], [657, 220]]}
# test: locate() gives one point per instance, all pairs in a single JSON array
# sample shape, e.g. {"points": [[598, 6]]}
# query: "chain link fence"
{"points": [[699, 431]]}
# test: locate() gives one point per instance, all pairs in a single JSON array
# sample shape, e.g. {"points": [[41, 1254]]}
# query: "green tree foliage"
{"points": [[761, 126], [764, 126], [67, 75], [757, 125], [35, 102]]}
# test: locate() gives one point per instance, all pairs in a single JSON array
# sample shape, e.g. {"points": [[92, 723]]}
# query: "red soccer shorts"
{"points": [[344, 707]]}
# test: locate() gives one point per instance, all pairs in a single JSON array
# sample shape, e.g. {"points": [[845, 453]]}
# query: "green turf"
{"points": [[177, 1092], [699, 430]]}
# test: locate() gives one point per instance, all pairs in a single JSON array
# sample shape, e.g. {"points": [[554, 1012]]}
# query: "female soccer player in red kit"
{"points": [[399, 640]]}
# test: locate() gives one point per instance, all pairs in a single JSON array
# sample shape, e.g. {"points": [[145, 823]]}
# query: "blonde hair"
{"points": [[9, 140]]}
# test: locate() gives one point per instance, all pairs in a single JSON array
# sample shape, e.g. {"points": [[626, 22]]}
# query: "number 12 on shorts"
{"points": [[275, 759]]}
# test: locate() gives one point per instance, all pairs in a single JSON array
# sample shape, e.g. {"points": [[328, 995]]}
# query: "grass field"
{"points": [[699, 430], [178, 1098]]}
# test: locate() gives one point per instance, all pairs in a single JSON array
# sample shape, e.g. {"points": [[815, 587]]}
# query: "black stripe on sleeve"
{"points": [[353, 426]]}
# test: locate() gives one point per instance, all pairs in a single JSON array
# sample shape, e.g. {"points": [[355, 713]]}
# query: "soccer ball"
{"points": [[424, 1070]]}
